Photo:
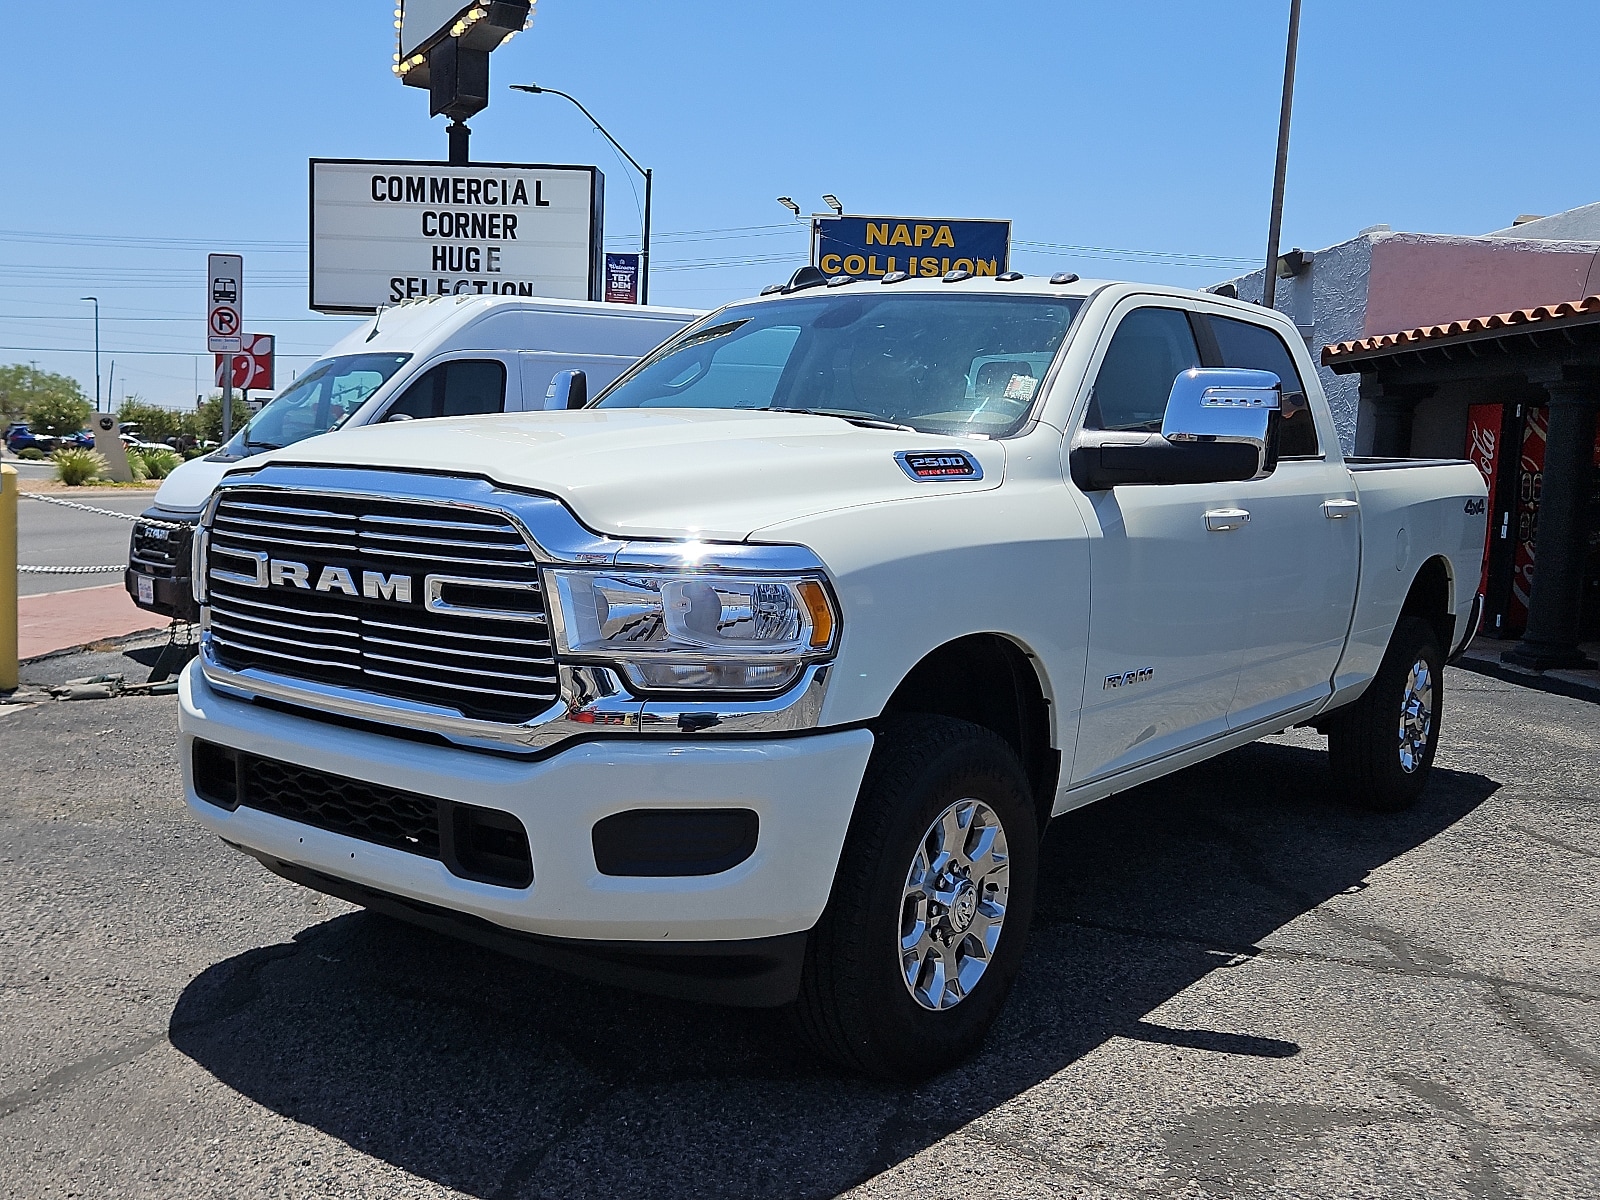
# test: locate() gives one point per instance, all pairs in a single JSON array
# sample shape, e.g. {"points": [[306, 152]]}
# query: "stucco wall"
{"points": [[1576, 224], [1428, 279], [1330, 298]]}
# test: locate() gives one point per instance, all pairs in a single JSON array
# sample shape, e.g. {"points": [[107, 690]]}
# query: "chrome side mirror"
{"points": [[568, 389], [1227, 405]]}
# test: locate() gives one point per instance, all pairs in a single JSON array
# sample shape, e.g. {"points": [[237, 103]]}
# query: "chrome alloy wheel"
{"points": [[1416, 715], [954, 904]]}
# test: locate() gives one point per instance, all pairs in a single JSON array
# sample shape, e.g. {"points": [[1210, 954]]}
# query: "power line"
{"points": [[119, 352]]}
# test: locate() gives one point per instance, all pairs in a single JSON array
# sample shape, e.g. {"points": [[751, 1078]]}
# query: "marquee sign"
{"points": [[385, 231]]}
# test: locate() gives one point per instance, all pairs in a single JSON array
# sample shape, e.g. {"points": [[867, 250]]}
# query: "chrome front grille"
{"points": [[447, 609]]}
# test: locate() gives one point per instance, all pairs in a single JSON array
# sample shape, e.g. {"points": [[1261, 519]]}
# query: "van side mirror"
{"points": [[568, 389], [1221, 426]]}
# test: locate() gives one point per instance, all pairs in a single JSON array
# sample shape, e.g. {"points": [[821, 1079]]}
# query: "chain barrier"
{"points": [[71, 570], [103, 512], [99, 512]]}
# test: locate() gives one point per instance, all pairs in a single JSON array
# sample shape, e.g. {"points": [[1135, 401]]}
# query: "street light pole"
{"points": [[96, 301], [644, 250], [1269, 287]]}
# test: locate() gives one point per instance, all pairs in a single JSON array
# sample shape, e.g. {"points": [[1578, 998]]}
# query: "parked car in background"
{"points": [[19, 438], [441, 356], [759, 677]]}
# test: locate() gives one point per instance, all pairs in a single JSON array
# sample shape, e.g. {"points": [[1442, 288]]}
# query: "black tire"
{"points": [[855, 1005], [1373, 766]]}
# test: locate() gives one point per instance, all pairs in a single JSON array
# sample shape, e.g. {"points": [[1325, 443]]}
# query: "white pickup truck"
{"points": [[758, 677]]}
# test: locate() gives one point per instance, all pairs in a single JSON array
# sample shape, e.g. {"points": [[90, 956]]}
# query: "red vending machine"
{"points": [[1506, 442]]}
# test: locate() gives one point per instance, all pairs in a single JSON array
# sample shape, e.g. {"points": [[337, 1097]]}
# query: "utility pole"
{"points": [[96, 301], [1269, 286]]}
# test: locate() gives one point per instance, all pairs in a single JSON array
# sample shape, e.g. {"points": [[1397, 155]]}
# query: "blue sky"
{"points": [[140, 135]]}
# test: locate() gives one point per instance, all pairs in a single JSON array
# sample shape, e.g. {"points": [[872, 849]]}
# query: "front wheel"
{"points": [[923, 934], [1381, 747]]}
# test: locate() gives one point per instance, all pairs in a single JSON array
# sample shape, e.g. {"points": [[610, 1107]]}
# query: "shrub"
{"points": [[194, 452], [77, 467], [137, 467], [32, 454], [161, 463]]}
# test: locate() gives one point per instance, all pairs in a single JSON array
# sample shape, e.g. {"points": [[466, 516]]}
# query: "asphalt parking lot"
{"points": [[1235, 987]]}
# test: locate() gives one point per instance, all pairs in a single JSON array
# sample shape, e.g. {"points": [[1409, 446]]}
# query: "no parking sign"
{"points": [[252, 366]]}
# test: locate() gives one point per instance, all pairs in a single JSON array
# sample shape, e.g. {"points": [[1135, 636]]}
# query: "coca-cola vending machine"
{"points": [[1506, 442]]}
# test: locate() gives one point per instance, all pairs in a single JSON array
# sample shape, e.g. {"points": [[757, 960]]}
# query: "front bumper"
{"points": [[167, 596], [158, 574], [803, 789]]}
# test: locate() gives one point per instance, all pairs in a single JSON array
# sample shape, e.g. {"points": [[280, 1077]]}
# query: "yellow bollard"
{"points": [[8, 578]]}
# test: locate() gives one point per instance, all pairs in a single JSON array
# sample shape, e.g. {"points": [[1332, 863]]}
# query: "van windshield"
{"points": [[939, 364], [322, 399]]}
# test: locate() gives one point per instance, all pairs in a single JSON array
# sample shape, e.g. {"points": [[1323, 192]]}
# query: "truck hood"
{"points": [[714, 474]]}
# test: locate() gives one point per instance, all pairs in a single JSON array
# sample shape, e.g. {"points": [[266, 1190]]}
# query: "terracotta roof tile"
{"points": [[1429, 333]]}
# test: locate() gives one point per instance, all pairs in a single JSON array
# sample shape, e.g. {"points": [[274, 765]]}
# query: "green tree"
{"points": [[23, 387], [56, 414], [208, 417], [157, 424]]}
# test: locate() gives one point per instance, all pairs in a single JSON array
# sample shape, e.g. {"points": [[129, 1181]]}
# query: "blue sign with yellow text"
{"points": [[871, 247]]}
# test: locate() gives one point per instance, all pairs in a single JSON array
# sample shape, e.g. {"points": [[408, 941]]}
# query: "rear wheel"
{"points": [[924, 931], [1381, 747]]}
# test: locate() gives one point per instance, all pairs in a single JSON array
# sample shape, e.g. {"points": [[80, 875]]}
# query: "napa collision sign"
{"points": [[871, 247], [384, 231]]}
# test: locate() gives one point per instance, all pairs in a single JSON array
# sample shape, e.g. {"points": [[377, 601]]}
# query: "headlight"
{"points": [[689, 631]]}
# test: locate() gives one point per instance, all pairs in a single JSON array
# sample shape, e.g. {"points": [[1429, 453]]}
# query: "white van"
{"points": [[440, 356]]}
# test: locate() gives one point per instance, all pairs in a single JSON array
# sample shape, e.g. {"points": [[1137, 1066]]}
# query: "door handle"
{"points": [[1335, 510], [1220, 520]]}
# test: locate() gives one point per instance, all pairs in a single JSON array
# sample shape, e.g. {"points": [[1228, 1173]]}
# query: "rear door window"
{"points": [[462, 388], [1244, 344], [1150, 349]]}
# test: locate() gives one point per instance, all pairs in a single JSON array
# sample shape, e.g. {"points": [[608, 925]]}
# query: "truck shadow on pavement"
{"points": [[493, 1077]]}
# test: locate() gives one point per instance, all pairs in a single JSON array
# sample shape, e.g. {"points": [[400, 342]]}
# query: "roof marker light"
{"points": [[957, 275], [894, 277], [1064, 277], [1009, 276]]}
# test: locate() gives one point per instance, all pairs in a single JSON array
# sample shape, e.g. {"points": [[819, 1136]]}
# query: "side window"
{"points": [[1261, 349], [454, 389], [1150, 349]]}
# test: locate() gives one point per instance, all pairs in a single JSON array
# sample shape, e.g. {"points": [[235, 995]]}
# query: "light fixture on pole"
{"points": [[1269, 285], [789, 204], [95, 300], [644, 248], [832, 202]]}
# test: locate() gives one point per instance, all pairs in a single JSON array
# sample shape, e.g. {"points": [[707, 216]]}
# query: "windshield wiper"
{"points": [[864, 420], [255, 445]]}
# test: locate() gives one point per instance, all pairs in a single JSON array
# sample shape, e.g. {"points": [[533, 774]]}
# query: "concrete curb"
{"points": [[1539, 681]]}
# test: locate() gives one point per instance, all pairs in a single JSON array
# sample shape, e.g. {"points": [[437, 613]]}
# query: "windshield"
{"points": [[323, 398], [939, 364]]}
